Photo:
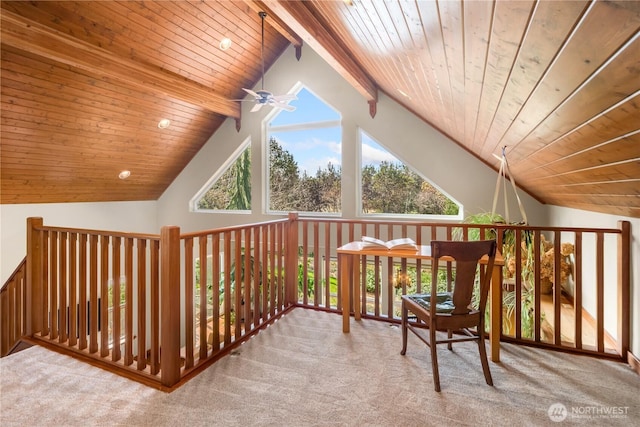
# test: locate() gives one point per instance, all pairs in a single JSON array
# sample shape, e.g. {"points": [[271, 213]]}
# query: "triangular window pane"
{"points": [[388, 186], [230, 190]]}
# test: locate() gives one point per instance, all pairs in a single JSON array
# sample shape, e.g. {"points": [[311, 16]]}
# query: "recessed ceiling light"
{"points": [[225, 43], [124, 174], [164, 123], [403, 93]]}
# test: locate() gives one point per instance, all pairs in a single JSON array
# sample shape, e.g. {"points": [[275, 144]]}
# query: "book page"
{"points": [[401, 243]]}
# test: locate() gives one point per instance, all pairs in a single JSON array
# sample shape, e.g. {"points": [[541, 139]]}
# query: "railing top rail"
{"points": [[101, 232], [200, 233], [462, 225], [18, 268]]}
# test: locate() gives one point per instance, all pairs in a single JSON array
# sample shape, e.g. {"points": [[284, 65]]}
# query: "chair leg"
{"points": [[405, 316], [449, 335], [434, 357], [484, 361]]}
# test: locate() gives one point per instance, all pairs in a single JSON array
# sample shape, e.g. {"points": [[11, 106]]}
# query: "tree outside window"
{"points": [[390, 187]]}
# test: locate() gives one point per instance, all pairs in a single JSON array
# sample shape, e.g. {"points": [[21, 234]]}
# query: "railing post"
{"points": [[291, 260], [34, 276], [170, 305], [624, 285]]}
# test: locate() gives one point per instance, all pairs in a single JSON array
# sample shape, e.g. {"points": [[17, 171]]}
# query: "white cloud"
{"points": [[375, 155]]}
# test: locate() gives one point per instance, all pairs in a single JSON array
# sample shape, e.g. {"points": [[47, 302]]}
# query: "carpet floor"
{"points": [[303, 371]]}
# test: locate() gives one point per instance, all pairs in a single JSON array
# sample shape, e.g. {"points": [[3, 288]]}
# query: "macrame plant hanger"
{"points": [[502, 177]]}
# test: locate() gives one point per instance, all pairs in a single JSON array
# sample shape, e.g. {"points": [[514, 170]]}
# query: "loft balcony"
{"points": [[162, 309]]}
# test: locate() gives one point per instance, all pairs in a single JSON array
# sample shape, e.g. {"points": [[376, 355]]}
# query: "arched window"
{"points": [[304, 164]]}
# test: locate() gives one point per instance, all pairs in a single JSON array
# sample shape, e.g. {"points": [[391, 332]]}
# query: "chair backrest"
{"points": [[467, 255]]}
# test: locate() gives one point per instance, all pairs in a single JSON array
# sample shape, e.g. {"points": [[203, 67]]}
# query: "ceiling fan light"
{"points": [[225, 43]]}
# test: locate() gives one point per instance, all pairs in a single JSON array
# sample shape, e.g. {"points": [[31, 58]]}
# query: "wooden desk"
{"points": [[349, 261]]}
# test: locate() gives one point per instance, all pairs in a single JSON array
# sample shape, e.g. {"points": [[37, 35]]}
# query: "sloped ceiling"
{"points": [[555, 84]]}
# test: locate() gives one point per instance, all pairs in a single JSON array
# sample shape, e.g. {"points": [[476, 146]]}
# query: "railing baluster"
{"points": [[116, 354], [62, 289], [53, 285], [128, 308], [73, 289], [93, 294], [104, 296], [83, 285], [154, 360], [317, 295], [215, 293], [189, 314], [238, 282], [305, 258], [142, 304], [248, 272], [258, 277], [327, 265], [227, 288], [537, 306], [577, 290], [600, 291]]}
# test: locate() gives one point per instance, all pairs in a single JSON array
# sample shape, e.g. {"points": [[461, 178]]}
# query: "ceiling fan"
{"points": [[263, 97]]}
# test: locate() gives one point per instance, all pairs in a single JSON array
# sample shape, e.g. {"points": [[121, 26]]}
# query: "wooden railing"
{"points": [[589, 312], [160, 308], [12, 309], [154, 308]]}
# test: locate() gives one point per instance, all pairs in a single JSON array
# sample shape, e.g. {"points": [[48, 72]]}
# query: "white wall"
{"points": [[139, 217], [413, 141], [565, 217]]}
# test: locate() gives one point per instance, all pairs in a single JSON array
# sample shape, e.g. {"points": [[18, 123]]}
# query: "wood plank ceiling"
{"points": [[84, 85]]}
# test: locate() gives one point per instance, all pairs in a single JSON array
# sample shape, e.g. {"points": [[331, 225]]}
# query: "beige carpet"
{"points": [[303, 371]]}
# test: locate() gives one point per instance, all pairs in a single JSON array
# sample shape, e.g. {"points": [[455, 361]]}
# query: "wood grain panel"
{"points": [[84, 84]]}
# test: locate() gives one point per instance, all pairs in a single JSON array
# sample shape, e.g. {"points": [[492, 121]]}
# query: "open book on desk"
{"points": [[405, 243]]}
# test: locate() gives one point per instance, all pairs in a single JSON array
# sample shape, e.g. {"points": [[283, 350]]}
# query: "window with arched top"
{"points": [[304, 166]]}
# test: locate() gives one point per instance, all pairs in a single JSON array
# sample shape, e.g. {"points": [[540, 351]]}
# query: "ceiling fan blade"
{"points": [[283, 106], [284, 98], [256, 107], [250, 92]]}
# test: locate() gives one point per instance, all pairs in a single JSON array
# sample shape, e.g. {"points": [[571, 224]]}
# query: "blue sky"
{"points": [[315, 149]]}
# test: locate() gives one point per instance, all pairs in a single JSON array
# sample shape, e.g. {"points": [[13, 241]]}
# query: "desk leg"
{"points": [[496, 308], [345, 281], [355, 281]]}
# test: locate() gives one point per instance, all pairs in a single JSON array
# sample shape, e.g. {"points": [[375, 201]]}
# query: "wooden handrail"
{"points": [[12, 309], [160, 308]]}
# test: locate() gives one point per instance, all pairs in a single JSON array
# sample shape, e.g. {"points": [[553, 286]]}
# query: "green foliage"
{"points": [[283, 178], [394, 188], [232, 191], [310, 280]]}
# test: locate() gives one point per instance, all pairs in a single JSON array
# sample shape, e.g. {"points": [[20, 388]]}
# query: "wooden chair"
{"points": [[453, 311]]}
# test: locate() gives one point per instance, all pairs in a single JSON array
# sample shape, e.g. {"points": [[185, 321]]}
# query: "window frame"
{"points": [[266, 131], [193, 203], [359, 209]]}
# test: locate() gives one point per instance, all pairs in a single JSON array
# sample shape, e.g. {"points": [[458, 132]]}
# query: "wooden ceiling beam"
{"points": [[302, 20], [275, 22], [33, 37]]}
